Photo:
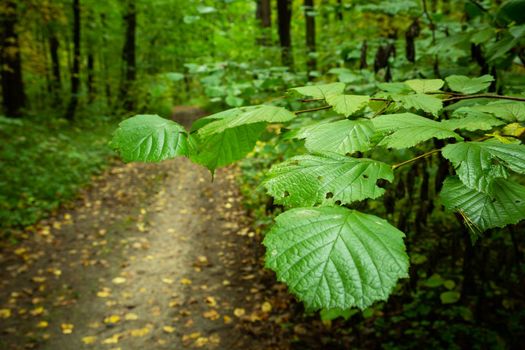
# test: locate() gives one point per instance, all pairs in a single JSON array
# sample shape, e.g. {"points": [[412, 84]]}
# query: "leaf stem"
{"points": [[468, 97], [395, 166], [312, 99], [312, 109]]}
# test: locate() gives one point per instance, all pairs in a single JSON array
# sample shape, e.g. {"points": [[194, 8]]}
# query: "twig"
{"points": [[313, 109], [395, 166], [468, 97], [382, 110], [312, 99]]}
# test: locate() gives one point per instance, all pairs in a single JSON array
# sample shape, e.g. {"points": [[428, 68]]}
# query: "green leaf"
{"points": [[508, 111], [423, 86], [347, 105], [397, 88], [149, 138], [482, 211], [333, 257], [466, 85], [342, 137], [332, 314], [245, 115], [449, 297], [227, 147], [427, 103], [320, 91], [406, 130], [326, 179], [473, 122], [479, 163]]}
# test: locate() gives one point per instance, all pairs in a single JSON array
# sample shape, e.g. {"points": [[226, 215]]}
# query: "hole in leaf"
{"points": [[517, 201], [365, 176], [338, 202], [329, 195], [381, 183], [286, 194], [319, 178]]}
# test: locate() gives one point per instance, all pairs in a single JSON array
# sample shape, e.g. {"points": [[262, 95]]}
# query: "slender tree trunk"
{"points": [[103, 59], [56, 80], [264, 16], [310, 34], [91, 75], [339, 11], [75, 72], [128, 55], [284, 17], [13, 95]]}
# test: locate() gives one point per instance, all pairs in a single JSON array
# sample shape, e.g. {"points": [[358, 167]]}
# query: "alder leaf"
{"points": [[149, 138], [244, 116], [342, 137], [333, 257], [423, 86], [473, 122], [326, 179], [466, 85], [321, 90], [405, 130], [347, 105], [482, 211], [226, 147], [426, 103], [510, 111], [479, 163]]}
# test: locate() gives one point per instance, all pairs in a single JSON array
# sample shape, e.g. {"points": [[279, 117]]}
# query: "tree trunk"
{"points": [[56, 80], [128, 55], [264, 17], [310, 34], [75, 72], [91, 75], [284, 17], [339, 10], [13, 95]]}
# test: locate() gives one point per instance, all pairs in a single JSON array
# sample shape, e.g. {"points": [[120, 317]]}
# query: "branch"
{"points": [[395, 166], [313, 109], [469, 97], [312, 99]]}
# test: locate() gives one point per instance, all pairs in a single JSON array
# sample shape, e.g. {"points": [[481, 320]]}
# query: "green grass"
{"points": [[43, 165]]}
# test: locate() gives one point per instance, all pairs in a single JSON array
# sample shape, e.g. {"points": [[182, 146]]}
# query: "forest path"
{"points": [[151, 257]]}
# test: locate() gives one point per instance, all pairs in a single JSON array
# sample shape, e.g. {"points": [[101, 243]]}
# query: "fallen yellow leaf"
{"points": [[227, 319], [67, 328], [239, 312], [168, 329], [131, 317], [211, 315], [185, 281], [211, 301], [119, 280], [167, 280], [266, 307], [113, 319], [42, 324], [113, 339], [37, 311], [89, 340], [140, 332], [5, 313]]}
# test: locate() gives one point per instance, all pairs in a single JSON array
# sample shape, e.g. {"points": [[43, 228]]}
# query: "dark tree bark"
{"points": [[91, 75], [128, 55], [339, 11], [264, 16], [364, 51], [310, 34], [13, 95], [284, 17], [410, 36], [75, 71], [56, 79]]}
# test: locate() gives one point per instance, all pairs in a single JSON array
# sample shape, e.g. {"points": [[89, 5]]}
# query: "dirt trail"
{"points": [[152, 257]]}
